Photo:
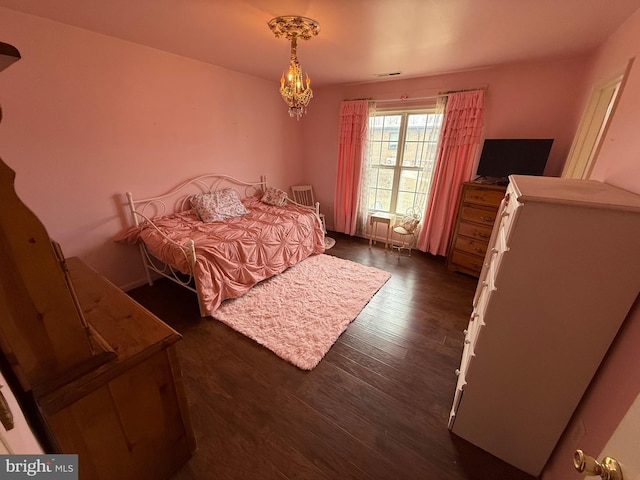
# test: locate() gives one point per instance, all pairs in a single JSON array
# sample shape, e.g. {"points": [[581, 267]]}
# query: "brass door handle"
{"points": [[608, 469], [6, 416]]}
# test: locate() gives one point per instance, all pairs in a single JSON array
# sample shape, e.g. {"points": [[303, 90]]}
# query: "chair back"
{"points": [[303, 194], [410, 221]]}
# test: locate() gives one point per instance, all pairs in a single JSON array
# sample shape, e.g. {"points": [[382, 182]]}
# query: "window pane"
{"points": [[393, 140], [385, 178], [374, 153], [372, 177], [397, 185], [371, 199], [407, 191], [383, 139], [379, 199], [405, 202], [415, 133], [423, 131], [383, 200], [408, 180]]}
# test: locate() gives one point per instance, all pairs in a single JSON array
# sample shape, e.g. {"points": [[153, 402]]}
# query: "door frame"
{"points": [[594, 124]]}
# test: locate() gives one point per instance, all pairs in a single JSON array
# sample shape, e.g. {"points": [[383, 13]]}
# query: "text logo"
{"points": [[50, 467]]}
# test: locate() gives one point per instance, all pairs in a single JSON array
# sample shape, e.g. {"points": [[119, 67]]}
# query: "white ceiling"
{"points": [[358, 39]]}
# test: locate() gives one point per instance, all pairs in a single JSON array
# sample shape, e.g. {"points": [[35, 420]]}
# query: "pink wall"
{"points": [[618, 162], [88, 117], [540, 100], [617, 384]]}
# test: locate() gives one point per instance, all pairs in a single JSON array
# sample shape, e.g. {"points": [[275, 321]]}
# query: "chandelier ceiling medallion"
{"points": [[295, 90]]}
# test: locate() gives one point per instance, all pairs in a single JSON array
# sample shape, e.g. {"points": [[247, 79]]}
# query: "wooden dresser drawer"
{"points": [[478, 232], [467, 261], [469, 245], [477, 211], [484, 216], [482, 196]]}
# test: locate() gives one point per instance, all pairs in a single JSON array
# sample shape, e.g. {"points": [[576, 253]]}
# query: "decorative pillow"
{"points": [[410, 223], [217, 206], [274, 196]]}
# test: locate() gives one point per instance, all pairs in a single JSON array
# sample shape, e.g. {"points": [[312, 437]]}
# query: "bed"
{"points": [[219, 236]]}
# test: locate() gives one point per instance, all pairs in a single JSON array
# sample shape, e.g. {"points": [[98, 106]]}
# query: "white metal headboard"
{"points": [[177, 199]]}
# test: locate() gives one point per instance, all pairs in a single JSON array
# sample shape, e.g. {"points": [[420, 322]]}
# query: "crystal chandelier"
{"points": [[295, 90]]}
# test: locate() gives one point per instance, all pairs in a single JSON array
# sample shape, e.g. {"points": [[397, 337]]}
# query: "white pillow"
{"points": [[275, 196], [218, 206]]}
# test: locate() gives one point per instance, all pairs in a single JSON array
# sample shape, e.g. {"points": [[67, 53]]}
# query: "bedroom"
{"points": [[106, 124]]}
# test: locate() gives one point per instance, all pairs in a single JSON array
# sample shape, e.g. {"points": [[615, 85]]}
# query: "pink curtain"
{"points": [[458, 144], [354, 117]]}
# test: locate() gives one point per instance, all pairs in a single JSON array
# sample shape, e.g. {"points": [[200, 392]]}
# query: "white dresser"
{"points": [[561, 272]]}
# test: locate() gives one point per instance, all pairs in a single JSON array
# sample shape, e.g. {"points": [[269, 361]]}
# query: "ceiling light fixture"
{"points": [[295, 90]]}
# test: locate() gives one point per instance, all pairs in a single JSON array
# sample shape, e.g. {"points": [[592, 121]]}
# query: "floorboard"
{"points": [[376, 407]]}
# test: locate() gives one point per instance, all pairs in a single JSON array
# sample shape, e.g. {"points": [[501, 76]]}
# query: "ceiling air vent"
{"points": [[389, 74]]}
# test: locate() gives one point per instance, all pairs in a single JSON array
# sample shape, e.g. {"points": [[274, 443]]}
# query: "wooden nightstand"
{"points": [[477, 212]]}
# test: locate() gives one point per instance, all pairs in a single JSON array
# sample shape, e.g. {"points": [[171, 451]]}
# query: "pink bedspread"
{"points": [[235, 254]]}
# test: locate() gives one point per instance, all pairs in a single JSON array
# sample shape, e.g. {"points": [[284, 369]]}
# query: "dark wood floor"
{"points": [[376, 407]]}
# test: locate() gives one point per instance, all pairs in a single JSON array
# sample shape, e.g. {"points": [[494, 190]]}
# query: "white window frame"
{"points": [[398, 168]]}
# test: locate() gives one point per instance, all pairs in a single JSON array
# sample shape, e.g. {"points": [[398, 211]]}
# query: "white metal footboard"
{"points": [[151, 263], [315, 207], [177, 200]]}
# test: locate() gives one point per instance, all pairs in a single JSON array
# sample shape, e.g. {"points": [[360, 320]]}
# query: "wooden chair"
{"points": [[303, 194]]}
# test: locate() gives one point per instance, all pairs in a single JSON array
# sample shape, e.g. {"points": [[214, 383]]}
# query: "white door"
{"points": [[623, 444], [19, 438], [593, 126]]}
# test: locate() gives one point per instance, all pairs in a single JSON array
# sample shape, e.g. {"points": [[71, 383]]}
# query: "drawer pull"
{"points": [[465, 331], [487, 219], [479, 250], [467, 341], [505, 214], [457, 372], [483, 235]]}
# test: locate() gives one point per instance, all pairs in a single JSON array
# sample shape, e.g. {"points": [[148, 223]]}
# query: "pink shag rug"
{"points": [[300, 313]]}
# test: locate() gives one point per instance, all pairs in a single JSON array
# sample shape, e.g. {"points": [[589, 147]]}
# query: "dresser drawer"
{"points": [[467, 261], [508, 214], [482, 196], [475, 327], [478, 215], [469, 245], [479, 232]]}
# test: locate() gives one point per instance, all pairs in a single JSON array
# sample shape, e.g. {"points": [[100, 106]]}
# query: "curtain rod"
{"points": [[406, 98]]}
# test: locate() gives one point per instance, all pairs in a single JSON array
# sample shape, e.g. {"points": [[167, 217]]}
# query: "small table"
{"points": [[380, 217]]}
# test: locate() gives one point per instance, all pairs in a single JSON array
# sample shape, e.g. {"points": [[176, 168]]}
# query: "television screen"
{"points": [[506, 156]]}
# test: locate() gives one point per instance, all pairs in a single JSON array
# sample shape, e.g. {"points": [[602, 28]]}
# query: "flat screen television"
{"points": [[502, 157]]}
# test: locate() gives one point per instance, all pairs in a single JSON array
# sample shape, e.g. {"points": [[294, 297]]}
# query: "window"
{"points": [[393, 140], [401, 158]]}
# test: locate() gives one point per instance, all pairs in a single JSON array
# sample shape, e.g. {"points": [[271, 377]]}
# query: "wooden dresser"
{"points": [[477, 210], [99, 372], [128, 418]]}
